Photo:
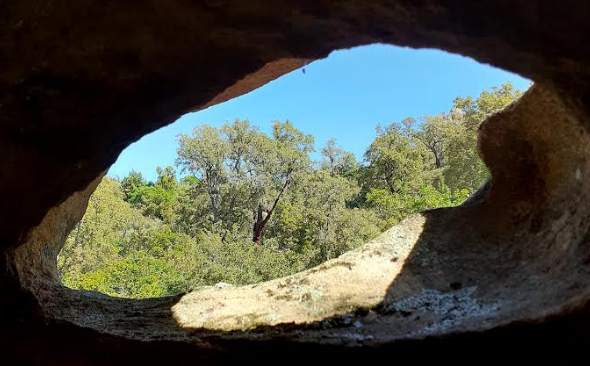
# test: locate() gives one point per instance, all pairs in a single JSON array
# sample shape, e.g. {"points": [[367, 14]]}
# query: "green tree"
{"points": [[132, 182], [395, 160], [245, 173], [142, 239], [102, 234], [166, 178], [433, 134], [156, 200], [465, 170], [203, 155], [338, 161]]}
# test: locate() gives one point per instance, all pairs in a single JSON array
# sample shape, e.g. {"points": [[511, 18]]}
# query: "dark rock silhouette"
{"points": [[507, 272]]}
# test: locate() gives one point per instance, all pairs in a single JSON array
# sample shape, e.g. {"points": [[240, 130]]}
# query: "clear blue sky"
{"points": [[343, 96]]}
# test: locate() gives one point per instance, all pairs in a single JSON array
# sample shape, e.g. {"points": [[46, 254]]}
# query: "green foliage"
{"points": [[166, 178], [108, 223], [252, 207], [131, 182], [464, 167], [391, 208], [338, 161], [154, 202], [396, 160], [140, 276], [240, 262]]}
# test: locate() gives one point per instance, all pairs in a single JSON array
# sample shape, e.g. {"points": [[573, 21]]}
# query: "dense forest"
{"points": [[251, 207]]}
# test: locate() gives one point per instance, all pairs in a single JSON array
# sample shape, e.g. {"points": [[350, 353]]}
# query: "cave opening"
{"points": [[282, 179], [505, 271]]}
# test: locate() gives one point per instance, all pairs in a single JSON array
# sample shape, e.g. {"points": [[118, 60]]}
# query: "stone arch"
{"points": [[82, 80]]}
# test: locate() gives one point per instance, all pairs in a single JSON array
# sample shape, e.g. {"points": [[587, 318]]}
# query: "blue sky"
{"points": [[343, 96]]}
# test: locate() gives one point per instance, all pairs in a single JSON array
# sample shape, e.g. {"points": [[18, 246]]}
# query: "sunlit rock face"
{"points": [[509, 270]]}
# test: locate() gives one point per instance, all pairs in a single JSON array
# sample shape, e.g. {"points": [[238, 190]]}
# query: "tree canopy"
{"points": [[251, 206]]}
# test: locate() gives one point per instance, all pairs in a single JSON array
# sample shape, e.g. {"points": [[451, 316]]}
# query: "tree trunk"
{"points": [[260, 220]]}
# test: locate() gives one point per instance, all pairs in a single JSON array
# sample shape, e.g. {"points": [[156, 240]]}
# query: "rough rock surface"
{"points": [[510, 270]]}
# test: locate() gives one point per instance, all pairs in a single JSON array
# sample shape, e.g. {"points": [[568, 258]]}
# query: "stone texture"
{"points": [[508, 271]]}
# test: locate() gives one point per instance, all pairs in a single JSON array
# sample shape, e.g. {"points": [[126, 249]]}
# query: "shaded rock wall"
{"points": [[82, 79]]}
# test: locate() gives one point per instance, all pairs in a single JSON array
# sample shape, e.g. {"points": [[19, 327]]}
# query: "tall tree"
{"points": [[337, 160], [242, 167], [204, 155], [395, 159], [131, 182], [285, 156], [166, 178], [433, 134]]}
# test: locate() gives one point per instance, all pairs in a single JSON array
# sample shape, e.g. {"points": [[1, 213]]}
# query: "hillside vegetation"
{"points": [[251, 207]]}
